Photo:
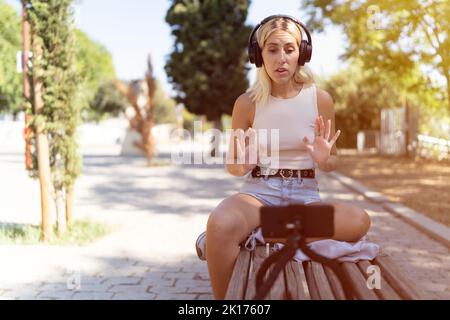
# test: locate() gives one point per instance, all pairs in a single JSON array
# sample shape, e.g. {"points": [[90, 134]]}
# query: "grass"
{"points": [[81, 232], [423, 185]]}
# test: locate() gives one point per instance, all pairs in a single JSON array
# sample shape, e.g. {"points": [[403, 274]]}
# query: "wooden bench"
{"points": [[312, 280]]}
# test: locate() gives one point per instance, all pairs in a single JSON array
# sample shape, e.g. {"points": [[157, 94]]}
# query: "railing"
{"points": [[368, 141], [431, 147]]}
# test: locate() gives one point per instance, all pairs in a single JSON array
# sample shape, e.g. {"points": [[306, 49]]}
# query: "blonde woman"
{"points": [[283, 97]]}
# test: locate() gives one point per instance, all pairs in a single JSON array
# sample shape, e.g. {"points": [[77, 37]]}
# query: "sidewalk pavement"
{"points": [[157, 214]]}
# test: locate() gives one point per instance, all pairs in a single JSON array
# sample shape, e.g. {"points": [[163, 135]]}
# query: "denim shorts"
{"points": [[278, 191]]}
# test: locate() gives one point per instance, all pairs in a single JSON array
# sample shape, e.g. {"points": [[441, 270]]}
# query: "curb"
{"points": [[433, 229]]}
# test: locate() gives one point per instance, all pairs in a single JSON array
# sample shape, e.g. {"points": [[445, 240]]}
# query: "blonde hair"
{"points": [[261, 88]]}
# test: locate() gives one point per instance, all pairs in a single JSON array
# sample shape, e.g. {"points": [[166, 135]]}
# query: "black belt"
{"points": [[285, 173]]}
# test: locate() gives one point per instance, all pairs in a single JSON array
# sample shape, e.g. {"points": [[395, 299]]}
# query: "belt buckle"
{"points": [[291, 173]]}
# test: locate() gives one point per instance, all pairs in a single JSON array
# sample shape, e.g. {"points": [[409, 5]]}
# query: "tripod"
{"points": [[280, 258]]}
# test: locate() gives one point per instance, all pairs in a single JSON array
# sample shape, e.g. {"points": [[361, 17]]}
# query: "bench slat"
{"points": [[335, 283], [277, 291], [325, 291], [311, 281], [386, 292], [239, 277], [402, 285], [296, 281], [254, 267], [358, 282]]}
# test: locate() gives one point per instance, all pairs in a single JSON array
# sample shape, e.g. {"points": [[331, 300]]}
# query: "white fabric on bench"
{"points": [[341, 250]]}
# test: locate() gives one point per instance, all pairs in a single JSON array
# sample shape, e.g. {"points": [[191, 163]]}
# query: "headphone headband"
{"points": [[254, 51]]}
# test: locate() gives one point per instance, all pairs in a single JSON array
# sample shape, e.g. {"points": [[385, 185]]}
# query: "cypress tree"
{"points": [[55, 68]]}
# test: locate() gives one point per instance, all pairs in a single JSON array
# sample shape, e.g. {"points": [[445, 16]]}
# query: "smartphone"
{"points": [[317, 220]]}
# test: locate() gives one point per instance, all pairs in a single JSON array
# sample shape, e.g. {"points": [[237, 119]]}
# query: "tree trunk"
{"points": [[447, 77], [147, 134], [44, 181], [142, 122], [60, 212], [27, 136], [215, 143], [42, 149], [69, 205], [148, 140], [26, 82], [147, 127]]}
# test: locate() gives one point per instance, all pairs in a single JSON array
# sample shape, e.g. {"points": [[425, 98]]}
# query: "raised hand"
{"points": [[247, 146], [320, 148]]}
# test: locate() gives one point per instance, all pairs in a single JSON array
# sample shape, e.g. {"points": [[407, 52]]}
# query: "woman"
{"points": [[283, 97]]}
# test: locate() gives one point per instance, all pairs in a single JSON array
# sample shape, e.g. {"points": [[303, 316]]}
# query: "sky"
{"points": [[131, 29]]}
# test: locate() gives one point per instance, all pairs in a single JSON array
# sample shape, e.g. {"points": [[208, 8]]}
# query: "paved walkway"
{"points": [[157, 214]]}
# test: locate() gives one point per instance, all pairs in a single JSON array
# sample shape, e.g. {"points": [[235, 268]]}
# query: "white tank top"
{"points": [[295, 118]]}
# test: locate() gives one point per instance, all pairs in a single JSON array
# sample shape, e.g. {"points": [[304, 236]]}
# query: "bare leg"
{"points": [[351, 223], [228, 225]]}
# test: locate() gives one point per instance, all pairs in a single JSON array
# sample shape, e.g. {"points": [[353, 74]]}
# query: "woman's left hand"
{"points": [[320, 148]]}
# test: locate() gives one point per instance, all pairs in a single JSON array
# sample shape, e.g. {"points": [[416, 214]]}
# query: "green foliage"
{"points": [[393, 37], [108, 101], [188, 120], [207, 66], [360, 95], [10, 44], [94, 64], [95, 69], [52, 28], [81, 232], [19, 234], [164, 106]]}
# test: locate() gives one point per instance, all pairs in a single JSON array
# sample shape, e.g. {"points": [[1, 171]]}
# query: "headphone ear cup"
{"points": [[308, 52], [251, 53], [258, 56], [254, 54], [302, 53]]}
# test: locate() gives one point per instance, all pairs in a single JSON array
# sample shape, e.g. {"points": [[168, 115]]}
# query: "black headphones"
{"points": [[254, 51]]}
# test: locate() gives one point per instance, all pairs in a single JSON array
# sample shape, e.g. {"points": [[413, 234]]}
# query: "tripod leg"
{"points": [[343, 277], [283, 256]]}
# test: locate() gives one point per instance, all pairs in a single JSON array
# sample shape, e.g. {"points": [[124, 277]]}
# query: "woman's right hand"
{"points": [[247, 145]]}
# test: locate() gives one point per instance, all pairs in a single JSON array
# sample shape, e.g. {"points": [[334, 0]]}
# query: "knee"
{"points": [[362, 221], [224, 225]]}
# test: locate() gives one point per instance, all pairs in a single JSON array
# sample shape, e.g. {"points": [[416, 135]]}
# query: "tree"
{"points": [[109, 102], [142, 121], [93, 63], [207, 66], [55, 113], [10, 44], [360, 95], [391, 36], [164, 108]]}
